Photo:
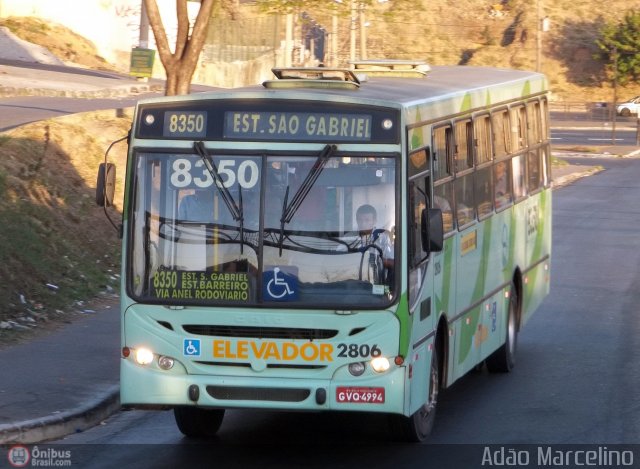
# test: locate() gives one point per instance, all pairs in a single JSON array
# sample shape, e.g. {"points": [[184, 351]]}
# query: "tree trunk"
{"points": [[181, 65]]}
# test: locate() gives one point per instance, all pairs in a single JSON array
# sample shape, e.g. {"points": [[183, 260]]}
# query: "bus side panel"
{"points": [[471, 283], [498, 272], [536, 280]]}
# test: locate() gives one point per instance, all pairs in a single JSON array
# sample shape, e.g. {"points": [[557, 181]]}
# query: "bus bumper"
{"points": [[384, 392]]}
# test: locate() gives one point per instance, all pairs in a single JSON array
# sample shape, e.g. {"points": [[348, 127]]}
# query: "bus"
{"points": [[349, 239]]}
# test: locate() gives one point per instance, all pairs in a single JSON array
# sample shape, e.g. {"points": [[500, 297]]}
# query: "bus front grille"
{"points": [[260, 332], [269, 365], [238, 393]]}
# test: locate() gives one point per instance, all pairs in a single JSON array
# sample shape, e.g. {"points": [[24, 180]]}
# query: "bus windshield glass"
{"points": [[309, 229]]}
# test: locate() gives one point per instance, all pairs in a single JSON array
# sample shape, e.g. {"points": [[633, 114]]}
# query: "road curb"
{"points": [[126, 90], [65, 423], [569, 178]]}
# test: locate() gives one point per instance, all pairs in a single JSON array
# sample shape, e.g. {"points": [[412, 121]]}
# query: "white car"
{"points": [[631, 106]]}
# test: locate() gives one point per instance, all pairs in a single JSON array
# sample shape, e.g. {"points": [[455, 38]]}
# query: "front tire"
{"points": [[417, 427], [625, 112], [504, 359], [196, 422]]}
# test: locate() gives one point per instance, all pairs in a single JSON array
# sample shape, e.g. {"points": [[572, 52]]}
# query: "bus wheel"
{"points": [[418, 426], [504, 359], [196, 422]]}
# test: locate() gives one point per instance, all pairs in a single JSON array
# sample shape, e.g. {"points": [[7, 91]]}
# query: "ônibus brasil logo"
{"points": [[19, 456]]}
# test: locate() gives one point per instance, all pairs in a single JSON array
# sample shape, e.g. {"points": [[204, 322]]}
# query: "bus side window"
{"points": [[519, 177], [482, 139], [518, 126], [442, 151], [443, 199], [464, 145], [502, 184], [484, 191], [465, 204], [533, 123], [501, 132], [534, 174]]}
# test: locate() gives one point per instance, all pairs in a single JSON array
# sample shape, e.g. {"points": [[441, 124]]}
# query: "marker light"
{"points": [[356, 369], [380, 364], [144, 356], [149, 119], [387, 124], [166, 363]]}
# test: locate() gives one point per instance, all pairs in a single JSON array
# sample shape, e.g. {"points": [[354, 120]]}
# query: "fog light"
{"points": [[144, 356], [380, 364], [356, 369], [166, 363]]}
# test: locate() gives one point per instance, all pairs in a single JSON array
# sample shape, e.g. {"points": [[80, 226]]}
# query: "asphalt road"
{"points": [[592, 136], [576, 379], [18, 111]]}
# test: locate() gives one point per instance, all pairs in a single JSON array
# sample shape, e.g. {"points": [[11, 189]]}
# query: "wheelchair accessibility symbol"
{"points": [[191, 347], [280, 284]]}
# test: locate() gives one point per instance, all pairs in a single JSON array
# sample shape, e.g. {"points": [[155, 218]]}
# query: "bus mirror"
{"points": [[106, 184], [432, 230]]}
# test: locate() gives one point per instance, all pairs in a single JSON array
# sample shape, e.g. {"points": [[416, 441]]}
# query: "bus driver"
{"points": [[366, 218]]}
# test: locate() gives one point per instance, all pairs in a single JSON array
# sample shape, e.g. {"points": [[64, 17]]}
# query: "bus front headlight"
{"points": [[144, 356], [380, 364]]}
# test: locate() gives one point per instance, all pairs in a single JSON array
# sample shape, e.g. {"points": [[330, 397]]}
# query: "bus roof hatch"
{"points": [[391, 68], [313, 77]]}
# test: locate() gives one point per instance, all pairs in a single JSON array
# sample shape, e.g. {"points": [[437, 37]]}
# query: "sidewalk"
{"points": [[35, 79], [62, 382]]}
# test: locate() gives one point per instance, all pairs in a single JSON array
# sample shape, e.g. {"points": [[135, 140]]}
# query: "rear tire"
{"points": [[625, 112], [504, 359], [417, 427], [196, 422]]}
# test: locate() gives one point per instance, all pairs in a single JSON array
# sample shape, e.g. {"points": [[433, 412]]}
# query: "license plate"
{"points": [[360, 395]]}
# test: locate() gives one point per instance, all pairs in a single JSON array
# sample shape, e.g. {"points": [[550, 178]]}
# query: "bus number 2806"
{"points": [[358, 350]]}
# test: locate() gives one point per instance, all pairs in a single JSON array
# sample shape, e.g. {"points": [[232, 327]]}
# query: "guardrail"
{"points": [[594, 110]]}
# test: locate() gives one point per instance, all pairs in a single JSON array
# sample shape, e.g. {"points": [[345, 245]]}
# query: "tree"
{"points": [[181, 64], [619, 44]]}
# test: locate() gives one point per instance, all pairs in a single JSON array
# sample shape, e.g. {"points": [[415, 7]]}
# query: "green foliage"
{"points": [[619, 45]]}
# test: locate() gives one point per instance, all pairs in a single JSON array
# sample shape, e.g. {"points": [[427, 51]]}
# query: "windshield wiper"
{"points": [[235, 209], [289, 210]]}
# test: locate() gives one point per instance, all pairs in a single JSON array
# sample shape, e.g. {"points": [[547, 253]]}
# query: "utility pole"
{"points": [[539, 36], [363, 34], [334, 40], [352, 49], [614, 51], [288, 42], [143, 38]]}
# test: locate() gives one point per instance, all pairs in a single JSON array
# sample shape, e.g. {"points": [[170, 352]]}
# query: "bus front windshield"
{"points": [[310, 230]]}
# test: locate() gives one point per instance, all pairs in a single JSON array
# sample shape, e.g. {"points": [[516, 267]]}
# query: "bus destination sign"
{"points": [[302, 126]]}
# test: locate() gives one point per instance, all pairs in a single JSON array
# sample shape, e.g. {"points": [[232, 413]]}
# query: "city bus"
{"points": [[349, 239]]}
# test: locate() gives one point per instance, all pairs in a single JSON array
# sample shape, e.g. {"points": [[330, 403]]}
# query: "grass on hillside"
{"points": [[59, 40], [56, 245]]}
